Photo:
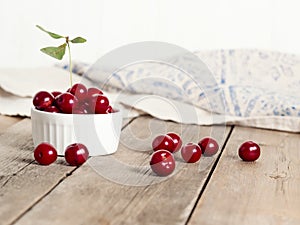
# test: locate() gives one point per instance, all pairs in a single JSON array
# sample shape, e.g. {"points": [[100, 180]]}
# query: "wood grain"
{"points": [[23, 183], [262, 192], [121, 189]]}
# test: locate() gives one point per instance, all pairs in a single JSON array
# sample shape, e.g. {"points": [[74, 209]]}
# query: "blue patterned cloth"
{"points": [[252, 83], [257, 83]]}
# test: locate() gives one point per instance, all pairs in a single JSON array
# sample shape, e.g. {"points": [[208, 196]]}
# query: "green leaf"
{"points": [[56, 36], [78, 40], [55, 52]]}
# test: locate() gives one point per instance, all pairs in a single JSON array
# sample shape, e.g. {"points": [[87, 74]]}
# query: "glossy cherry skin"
{"points": [[42, 100], [90, 93], [176, 140], [80, 91], [98, 103], [110, 109], [249, 151], [93, 90], [55, 93], [76, 154], [191, 153], [162, 163], [52, 109], [80, 110], [45, 154], [66, 102], [163, 142], [209, 146]]}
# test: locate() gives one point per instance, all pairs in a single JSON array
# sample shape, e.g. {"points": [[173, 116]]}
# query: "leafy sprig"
{"points": [[59, 52]]}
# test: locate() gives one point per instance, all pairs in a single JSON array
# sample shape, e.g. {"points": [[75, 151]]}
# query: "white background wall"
{"points": [[192, 24]]}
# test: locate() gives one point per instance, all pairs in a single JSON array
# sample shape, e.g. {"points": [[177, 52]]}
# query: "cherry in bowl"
{"points": [[66, 102], [80, 91], [162, 163], [42, 100], [249, 151]]}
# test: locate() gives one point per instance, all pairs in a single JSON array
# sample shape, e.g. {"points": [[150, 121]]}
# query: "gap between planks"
{"points": [[19, 173], [110, 192], [262, 192], [209, 175]]}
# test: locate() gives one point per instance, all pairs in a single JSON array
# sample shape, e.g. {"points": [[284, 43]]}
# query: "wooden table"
{"points": [[121, 189]]}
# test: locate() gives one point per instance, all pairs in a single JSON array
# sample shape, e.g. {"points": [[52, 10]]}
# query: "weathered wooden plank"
{"points": [[7, 121], [22, 182], [121, 189], [262, 192]]}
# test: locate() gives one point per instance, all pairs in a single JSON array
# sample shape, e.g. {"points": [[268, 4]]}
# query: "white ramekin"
{"points": [[100, 133]]}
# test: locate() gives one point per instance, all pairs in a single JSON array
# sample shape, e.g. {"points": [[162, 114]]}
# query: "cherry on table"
{"points": [[191, 153], [176, 140], [249, 151], [45, 153], [66, 102], [76, 154], [163, 142], [80, 91], [42, 100], [162, 162], [209, 146]]}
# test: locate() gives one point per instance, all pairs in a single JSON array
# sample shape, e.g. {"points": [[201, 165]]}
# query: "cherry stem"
{"points": [[70, 61]]}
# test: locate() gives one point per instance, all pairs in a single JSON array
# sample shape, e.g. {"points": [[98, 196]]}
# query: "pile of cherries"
{"points": [[75, 154], [77, 100], [164, 146]]}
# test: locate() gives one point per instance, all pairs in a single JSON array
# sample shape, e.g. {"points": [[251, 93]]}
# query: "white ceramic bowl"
{"points": [[100, 133]]}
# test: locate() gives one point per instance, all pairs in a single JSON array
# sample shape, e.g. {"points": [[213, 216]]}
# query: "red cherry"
{"points": [[45, 154], [42, 100], [66, 102], [82, 107], [99, 103], [110, 109], [249, 151], [209, 146], [191, 153], [163, 142], [52, 109], [80, 91], [80, 110], [176, 140], [93, 90], [162, 163], [55, 93], [76, 154]]}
